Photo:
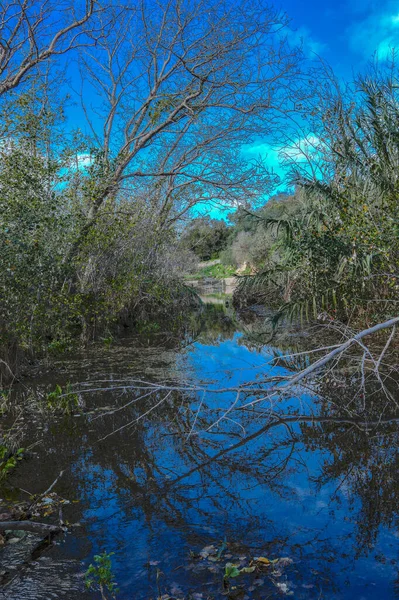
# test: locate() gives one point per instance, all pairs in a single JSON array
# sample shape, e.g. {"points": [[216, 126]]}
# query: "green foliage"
{"points": [[60, 346], [340, 254], [65, 401], [231, 571], [218, 271], [9, 459], [148, 327], [37, 226], [67, 277], [107, 341], [31, 232], [100, 575], [348, 247], [205, 237], [252, 241]]}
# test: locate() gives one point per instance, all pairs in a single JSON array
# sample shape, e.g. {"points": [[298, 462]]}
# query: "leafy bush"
{"points": [[205, 237], [65, 401], [100, 575], [9, 459]]}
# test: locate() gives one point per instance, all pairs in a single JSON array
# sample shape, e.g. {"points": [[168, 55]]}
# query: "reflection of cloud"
{"points": [[377, 33]]}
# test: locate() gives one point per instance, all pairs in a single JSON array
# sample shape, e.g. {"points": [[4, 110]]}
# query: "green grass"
{"points": [[218, 271]]}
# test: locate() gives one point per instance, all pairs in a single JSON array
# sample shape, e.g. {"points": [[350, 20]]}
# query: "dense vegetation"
{"points": [[90, 231], [205, 237], [331, 246], [62, 282], [89, 214], [244, 238]]}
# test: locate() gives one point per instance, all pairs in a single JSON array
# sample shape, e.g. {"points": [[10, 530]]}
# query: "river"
{"points": [[176, 495]]}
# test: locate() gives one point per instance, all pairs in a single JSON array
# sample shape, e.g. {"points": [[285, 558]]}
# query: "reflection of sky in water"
{"points": [[273, 513], [230, 363]]}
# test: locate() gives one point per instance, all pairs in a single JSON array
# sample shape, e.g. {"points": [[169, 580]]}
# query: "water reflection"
{"points": [[323, 492], [214, 291]]}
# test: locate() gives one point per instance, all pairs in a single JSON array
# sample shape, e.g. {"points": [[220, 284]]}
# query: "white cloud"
{"points": [[302, 149], [84, 160], [377, 33], [305, 152], [270, 154], [303, 37], [299, 150], [80, 162]]}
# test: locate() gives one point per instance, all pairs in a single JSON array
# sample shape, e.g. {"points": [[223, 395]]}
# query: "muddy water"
{"points": [[176, 496]]}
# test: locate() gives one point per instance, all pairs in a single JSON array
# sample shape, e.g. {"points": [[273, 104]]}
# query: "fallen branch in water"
{"points": [[43, 529], [318, 364], [43, 494], [32, 526], [263, 389]]}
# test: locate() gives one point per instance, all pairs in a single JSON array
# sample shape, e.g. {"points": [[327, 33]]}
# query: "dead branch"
{"points": [[317, 365], [32, 526], [43, 494]]}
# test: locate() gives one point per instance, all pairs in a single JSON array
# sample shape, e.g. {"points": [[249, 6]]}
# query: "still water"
{"points": [[175, 496]]}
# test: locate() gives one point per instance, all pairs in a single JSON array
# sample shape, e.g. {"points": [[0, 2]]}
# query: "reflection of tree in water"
{"points": [[202, 478], [366, 465], [208, 474], [214, 323], [168, 468], [200, 475]]}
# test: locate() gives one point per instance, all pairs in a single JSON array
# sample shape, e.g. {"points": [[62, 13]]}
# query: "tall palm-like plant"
{"points": [[342, 251]]}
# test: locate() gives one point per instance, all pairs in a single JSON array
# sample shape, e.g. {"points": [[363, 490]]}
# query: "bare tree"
{"points": [[34, 31], [179, 88]]}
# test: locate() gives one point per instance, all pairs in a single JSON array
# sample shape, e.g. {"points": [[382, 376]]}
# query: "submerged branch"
{"points": [[32, 526]]}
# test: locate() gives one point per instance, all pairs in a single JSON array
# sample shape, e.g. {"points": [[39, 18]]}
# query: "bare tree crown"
{"points": [[32, 32], [179, 88]]}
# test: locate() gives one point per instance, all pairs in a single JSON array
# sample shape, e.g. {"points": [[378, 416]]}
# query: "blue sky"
{"points": [[346, 33]]}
